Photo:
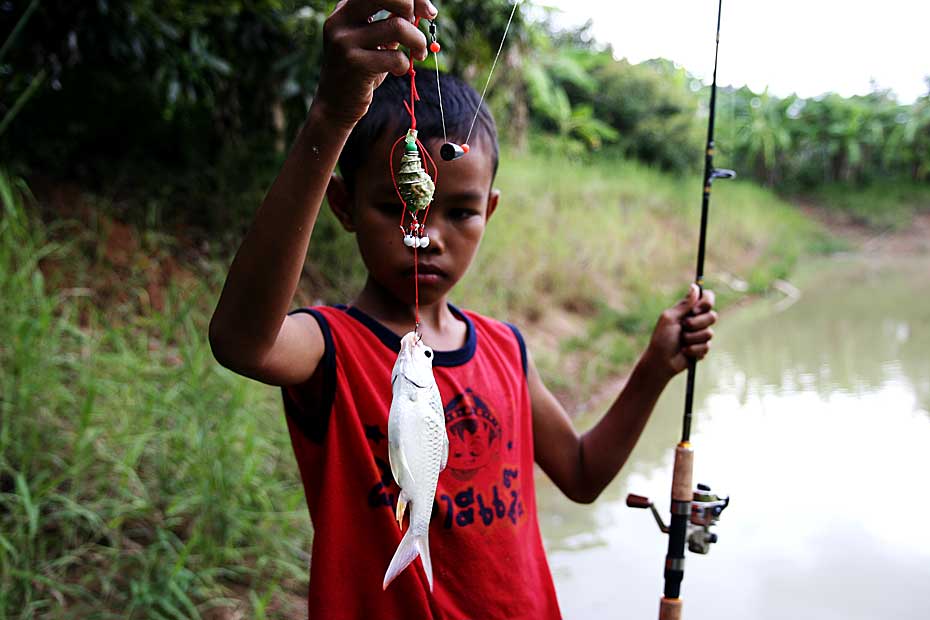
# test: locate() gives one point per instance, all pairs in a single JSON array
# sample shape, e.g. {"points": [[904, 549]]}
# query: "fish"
{"points": [[418, 449]]}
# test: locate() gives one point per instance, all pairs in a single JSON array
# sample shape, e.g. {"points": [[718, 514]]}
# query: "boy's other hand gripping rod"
{"points": [[451, 150], [693, 512]]}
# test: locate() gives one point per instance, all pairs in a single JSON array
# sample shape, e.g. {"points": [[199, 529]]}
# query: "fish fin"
{"points": [[406, 553], [401, 508], [399, 468], [423, 548]]}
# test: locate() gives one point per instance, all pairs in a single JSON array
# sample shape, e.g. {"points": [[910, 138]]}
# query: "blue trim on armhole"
{"points": [[519, 336], [314, 426]]}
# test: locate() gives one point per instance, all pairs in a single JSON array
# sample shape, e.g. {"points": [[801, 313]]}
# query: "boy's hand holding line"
{"points": [[358, 53], [250, 331]]}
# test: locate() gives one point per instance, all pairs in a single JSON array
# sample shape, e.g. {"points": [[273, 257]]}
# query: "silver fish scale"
{"points": [[431, 429]]}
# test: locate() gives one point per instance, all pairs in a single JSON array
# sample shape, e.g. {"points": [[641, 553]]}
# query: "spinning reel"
{"points": [[705, 511]]}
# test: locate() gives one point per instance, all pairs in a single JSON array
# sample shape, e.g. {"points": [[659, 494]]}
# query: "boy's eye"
{"points": [[460, 213]]}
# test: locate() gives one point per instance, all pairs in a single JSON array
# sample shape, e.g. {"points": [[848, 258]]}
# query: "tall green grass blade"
{"points": [[20, 24], [31, 509], [24, 97]]}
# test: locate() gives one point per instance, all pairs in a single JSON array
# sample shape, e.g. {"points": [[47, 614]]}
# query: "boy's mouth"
{"points": [[426, 273], [426, 269]]}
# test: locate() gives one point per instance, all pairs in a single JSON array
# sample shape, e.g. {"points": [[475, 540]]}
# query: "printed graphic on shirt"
{"points": [[479, 455], [485, 486], [474, 435], [498, 502]]}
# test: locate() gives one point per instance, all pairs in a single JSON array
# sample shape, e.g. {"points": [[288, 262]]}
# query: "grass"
{"points": [[612, 243], [138, 479], [888, 204]]}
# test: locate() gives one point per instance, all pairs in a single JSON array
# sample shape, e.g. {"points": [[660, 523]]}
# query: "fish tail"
{"points": [[409, 548], [423, 547]]}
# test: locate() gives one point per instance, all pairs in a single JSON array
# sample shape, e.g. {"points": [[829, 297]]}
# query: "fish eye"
{"points": [[428, 353]]}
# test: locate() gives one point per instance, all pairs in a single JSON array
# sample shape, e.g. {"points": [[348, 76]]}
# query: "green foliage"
{"points": [[884, 204], [546, 78], [21, 87], [137, 479], [653, 109], [173, 86], [795, 143], [194, 103]]}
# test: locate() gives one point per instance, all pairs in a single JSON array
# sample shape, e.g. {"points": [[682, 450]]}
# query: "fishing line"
{"points": [[415, 187], [434, 47], [493, 65]]}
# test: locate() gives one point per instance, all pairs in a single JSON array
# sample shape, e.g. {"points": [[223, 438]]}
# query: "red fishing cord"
{"points": [[425, 156], [394, 180], [416, 290]]}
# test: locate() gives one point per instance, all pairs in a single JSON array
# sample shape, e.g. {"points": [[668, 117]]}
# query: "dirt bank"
{"points": [[913, 239]]}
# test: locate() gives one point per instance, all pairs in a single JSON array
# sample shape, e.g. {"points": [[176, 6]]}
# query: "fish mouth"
{"points": [[414, 382], [408, 379]]}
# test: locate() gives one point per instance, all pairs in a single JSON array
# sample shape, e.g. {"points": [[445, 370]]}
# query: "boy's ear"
{"points": [[337, 195], [493, 198]]}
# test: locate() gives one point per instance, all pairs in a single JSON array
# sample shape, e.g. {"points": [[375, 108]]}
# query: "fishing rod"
{"points": [[693, 512]]}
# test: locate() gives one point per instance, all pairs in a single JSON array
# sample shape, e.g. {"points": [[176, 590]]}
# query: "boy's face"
{"points": [[461, 207]]}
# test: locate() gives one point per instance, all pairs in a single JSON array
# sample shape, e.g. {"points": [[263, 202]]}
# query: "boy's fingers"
{"points": [[707, 301], [697, 351], [358, 11], [700, 337], [425, 8], [700, 321], [386, 34], [683, 307], [381, 61]]}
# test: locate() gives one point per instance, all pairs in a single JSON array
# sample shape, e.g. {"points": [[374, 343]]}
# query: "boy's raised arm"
{"points": [[250, 331], [581, 466]]}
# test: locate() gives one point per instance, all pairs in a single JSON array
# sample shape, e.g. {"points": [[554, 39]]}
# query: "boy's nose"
{"points": [[436, 245]]}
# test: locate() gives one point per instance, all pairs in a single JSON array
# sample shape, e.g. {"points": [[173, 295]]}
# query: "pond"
{"points": [[815, 419]]}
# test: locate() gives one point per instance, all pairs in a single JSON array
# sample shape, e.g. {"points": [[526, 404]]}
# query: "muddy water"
{"points": [[815, 419]]}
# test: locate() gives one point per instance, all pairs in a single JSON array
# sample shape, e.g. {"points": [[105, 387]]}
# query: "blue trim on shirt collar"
{"points": [[392, 340]]}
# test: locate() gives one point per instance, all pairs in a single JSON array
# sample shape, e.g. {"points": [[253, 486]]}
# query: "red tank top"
{"points": [[487, 553]]}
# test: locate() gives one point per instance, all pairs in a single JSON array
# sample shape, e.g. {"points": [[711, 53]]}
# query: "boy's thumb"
{"points": [[683, 307]]}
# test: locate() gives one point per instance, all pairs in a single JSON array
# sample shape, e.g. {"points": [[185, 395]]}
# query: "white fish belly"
{"points": [[416, 436], [426, 442]]}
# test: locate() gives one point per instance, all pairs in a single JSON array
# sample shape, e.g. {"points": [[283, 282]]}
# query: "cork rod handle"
{"points": [[670, 609]]}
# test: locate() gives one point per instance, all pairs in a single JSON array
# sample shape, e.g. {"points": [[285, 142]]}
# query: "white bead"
{"points": [[409, 241], [424, 241]]}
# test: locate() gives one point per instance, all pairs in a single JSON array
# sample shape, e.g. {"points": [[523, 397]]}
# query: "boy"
{"points": [[335, 363]]}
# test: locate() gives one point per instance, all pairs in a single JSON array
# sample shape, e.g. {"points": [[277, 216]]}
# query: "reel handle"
{"points": [[638, 501]]}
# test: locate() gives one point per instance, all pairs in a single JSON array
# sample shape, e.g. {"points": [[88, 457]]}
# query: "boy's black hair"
{"points": [[387, 115]]}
